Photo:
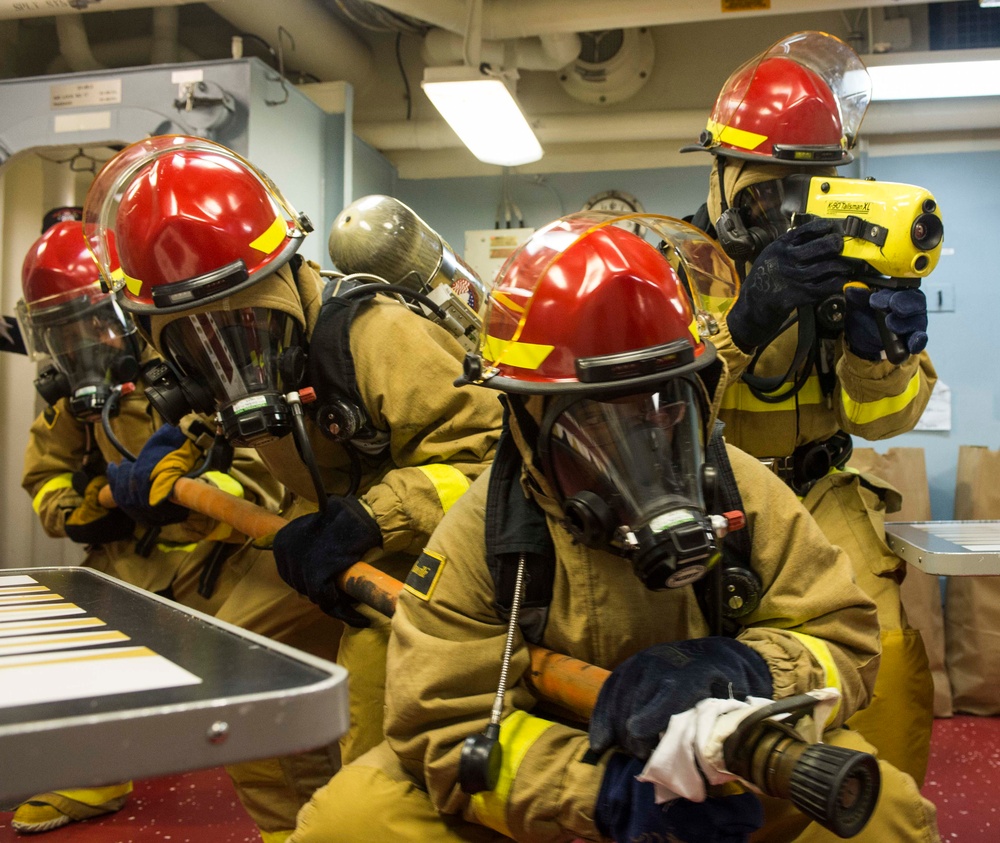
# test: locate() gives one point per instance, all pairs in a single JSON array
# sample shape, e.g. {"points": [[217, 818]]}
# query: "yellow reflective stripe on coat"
{"points": [[865, 412], [518, 734], [60, 481], [449, 483], [229, 485], [821, 652], [172, 547], [739, 397]]}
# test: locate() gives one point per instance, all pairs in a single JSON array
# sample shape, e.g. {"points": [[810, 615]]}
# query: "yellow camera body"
{"points": [[896, 229]]}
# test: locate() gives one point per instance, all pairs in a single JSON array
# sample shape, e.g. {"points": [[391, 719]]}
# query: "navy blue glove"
{"points": [[626, 811], [313, 549], [905, 315], [803, 266], [91, 523], [640, 696], [132, 483]]}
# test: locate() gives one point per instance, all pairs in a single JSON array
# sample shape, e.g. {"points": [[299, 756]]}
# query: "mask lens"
{"points": [[234, 354], [641, 454], [86, 339], [760, 207]]}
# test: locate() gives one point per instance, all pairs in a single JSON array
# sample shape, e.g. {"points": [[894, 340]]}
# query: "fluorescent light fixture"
{"points": [[484, 114], [917, 76]]}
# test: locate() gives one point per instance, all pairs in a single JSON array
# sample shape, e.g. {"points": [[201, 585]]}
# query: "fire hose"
{"points": [[835, 786]]}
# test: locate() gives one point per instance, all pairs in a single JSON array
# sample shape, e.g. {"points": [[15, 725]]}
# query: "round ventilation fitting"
{"points": [[612, 66]]}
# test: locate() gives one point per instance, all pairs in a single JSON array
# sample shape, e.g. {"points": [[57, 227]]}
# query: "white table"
{"points": [[948, 548], [101, 682]]}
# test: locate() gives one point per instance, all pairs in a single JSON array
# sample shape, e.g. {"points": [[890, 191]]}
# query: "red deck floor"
{"points": [[963, 780]]}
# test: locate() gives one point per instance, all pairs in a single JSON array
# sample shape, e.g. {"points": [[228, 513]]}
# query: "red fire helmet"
{"points": [[799, 102], [585, 305], [58, 268], [193, 222]]}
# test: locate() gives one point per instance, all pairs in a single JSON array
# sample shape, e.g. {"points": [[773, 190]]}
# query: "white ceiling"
{"points": [[695, 45]]}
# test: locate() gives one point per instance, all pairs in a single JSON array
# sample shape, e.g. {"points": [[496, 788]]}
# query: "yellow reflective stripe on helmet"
{"points": [[133, 285], [518, 734], [449, 483], [271, 239], [739, 397], [735, 137], [522, 355], [60, 481], [693, 328], [864, 412], [821, 652]]}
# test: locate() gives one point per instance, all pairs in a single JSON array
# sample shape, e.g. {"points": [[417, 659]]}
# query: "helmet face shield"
{"points": [[88, 339], [585, 299], [191, 220], [242, 359], [801, 101]]}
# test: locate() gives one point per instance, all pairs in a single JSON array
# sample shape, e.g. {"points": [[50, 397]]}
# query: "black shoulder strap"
{"points": [[331, 365], [516, 525], [732, 588]]}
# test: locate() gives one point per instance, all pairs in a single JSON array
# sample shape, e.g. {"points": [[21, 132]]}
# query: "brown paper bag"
{"points": [[920, 592], [972, 604]]}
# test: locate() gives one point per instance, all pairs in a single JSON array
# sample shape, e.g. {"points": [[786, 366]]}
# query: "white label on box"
{"points": [[90, 121], [80, 94]]}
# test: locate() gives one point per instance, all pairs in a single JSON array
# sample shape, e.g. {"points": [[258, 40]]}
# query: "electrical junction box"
{"points": [[486, 250], [240, 103], [940, 296]]}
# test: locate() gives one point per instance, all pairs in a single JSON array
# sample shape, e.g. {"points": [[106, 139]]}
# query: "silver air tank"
{"points": [[379, 235]]}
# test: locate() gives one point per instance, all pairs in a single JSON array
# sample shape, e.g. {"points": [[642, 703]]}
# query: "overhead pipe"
{"points": [[125, 52], [323, 47], [74, 44], [549, 52], [166, 21], [15, 9], [507, 19], [883, 118]]}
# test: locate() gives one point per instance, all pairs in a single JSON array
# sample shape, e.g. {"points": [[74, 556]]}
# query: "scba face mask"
{"points": [[239, 363], [91, 344], [628, 472]]}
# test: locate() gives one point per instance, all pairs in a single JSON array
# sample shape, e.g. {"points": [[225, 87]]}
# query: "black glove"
{"points": [[313, 549], [803, 266], [135, 486], [91, 523], [641, 695], [905, 315], [626, 811]]}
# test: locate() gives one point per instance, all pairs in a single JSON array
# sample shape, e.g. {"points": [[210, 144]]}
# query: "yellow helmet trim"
{"points": [[521, 355], [271, 238], [133, 285], [735, 137]]}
